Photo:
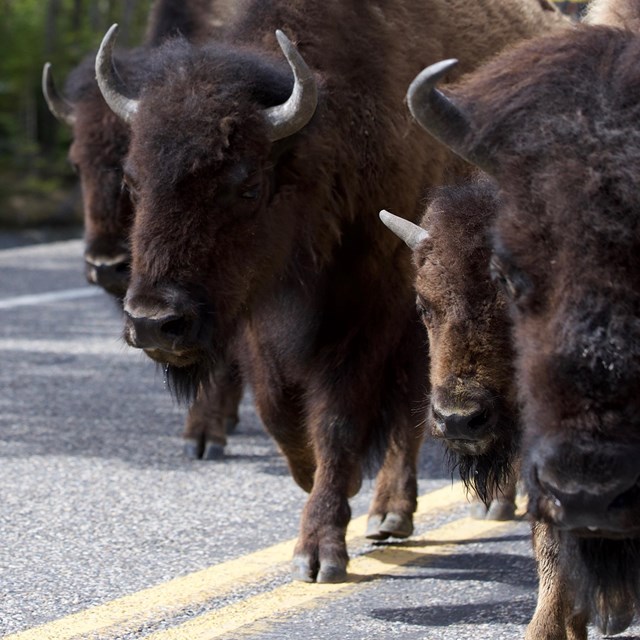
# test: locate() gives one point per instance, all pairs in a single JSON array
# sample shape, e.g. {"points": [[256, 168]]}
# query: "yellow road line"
{"points": [[168, 599], [296, 595]]}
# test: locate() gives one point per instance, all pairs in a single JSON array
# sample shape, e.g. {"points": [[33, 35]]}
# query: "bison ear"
{"points": [[411, 234]]}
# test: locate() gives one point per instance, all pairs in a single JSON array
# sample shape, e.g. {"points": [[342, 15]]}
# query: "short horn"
{"points": [[440, 116], [410, 233], [108, 81], [288, 118], [58, 106]]}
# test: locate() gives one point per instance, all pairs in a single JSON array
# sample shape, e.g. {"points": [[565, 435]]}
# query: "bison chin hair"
{"points": [[486, 474], [184, 382], [606, 578]]}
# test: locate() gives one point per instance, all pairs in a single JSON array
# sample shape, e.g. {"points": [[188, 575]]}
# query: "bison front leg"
{"points": [[321, 552], [395, 498], [213, 415], [555, 617]]}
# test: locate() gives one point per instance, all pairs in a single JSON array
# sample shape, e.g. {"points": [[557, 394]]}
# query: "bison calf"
{"points": [[472, 406]]}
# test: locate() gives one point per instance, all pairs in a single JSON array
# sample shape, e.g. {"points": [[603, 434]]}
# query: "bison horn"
{"points": [[58, 106], [440, 116], [288, 118], [108, 81], [410, 233]]}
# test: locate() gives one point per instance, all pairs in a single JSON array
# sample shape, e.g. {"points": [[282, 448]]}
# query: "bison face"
{"points": [[576, 313], [97, 152], [472, 406], [211, 137], [100, 142]]}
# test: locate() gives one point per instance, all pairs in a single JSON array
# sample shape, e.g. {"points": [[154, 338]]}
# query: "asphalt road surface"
{"points": [[107, 531]]}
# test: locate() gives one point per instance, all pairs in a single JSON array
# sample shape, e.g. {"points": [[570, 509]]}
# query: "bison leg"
{"points": [[213, 415], [395, 499], [555, 617], [321, 552]]}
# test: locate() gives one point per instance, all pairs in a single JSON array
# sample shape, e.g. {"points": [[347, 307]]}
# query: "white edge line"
{"points": [[44, 298]]}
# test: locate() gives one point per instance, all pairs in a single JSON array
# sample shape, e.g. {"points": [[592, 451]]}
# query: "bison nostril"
{"points": [[175, 328], [122, 268], [479, 420], [627, 499]]}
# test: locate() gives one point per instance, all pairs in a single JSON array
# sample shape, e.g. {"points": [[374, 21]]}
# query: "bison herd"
{"points": [[235, 170]]}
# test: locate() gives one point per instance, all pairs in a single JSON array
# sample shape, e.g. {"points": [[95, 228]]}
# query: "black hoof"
{"points": [[301, 569], [501, 510], [373, 528], [213, 451], [397, 525], [331, 573], [192, 449]]}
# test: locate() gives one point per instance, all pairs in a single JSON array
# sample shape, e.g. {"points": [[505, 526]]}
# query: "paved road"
{"points": [[108, 532]]}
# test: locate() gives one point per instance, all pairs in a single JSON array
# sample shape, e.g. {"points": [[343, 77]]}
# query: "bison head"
{"points": [[558, 129], [472, 407], [206, 171], [100, 142]]}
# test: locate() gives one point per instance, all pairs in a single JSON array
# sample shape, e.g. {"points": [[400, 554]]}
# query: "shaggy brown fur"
{"points": [[100, 143], [466, 317], [557, 118], [279, 245]]}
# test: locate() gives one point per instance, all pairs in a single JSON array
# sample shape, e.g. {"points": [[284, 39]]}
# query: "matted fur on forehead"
{"points": [[201, 103], [571, 93]]}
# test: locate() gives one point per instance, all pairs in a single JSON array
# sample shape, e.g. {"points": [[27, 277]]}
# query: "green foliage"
{"points": [[33, 145]]}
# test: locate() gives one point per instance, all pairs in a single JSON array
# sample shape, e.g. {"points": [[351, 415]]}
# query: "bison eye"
{"points": [[251, 193], [508, 278]]}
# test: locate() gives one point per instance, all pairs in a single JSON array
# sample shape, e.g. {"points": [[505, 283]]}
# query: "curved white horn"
{"points": [[411, 234], [288, 118], [58, 106], [125, 108]]}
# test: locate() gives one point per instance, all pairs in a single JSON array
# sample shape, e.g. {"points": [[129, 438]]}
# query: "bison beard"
{"points": [[488, 473], [604, 574]]}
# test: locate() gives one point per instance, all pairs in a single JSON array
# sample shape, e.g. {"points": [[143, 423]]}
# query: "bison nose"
{"points": [[112, 274], [463, 423], [595, 503], [168, 331]]}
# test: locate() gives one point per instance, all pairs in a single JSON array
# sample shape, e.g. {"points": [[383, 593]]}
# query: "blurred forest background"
{"points": [[37, 186]]}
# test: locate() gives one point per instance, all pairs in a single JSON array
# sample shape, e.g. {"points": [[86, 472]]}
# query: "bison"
{"points": [[555, 121], [473, 406], [257, 183], [100, 143]]}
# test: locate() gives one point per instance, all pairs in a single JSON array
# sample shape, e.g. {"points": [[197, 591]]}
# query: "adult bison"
{"points": [[100, 143], [257, 184], [472, 406], [555, 121]]}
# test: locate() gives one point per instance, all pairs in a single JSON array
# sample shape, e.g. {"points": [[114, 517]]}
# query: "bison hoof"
{"points": [[303, 570], [192, 449], [478, 510], [501, 510], [394, 525], [213, 451], [230, 424], [331, 573], [616, 622]]}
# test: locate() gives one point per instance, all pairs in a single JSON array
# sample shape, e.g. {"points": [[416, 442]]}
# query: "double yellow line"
{"points": [[164, 602]]}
